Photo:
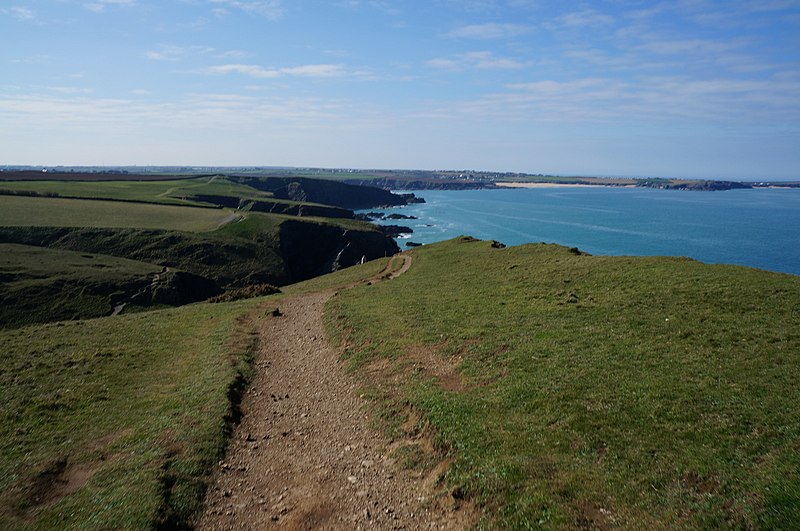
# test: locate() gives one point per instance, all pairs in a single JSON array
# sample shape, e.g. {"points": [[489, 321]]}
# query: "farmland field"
{"points": [[170, 192], [18, 211]]}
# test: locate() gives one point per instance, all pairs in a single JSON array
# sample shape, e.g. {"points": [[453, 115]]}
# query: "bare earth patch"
{"points": [[305, 455]]}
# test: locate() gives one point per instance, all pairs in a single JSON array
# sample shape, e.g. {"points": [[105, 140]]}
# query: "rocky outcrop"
{"points": [[393, 231], [315, 249], [323, 191], [174, 288]]}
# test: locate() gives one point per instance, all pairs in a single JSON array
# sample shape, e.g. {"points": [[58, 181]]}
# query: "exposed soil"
{"points": [[305, 455]]}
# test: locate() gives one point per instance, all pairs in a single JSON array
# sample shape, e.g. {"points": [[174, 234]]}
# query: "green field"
{"points": [[170, 192], [19, 211], [575, 391], [116, 422]]}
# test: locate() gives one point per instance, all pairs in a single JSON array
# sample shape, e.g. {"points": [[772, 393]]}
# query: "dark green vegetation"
{"points": [[39, 285], [576, 391], [202, 235]]}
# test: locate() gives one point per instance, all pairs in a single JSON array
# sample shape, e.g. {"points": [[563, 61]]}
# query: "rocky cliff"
{"points": [[326, 192]]}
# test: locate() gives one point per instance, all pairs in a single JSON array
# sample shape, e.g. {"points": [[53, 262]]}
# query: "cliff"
{"points": [[315, 249], [321, 191]]}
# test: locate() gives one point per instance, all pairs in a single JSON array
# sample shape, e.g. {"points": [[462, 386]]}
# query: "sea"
{"points": [[754, 227]]}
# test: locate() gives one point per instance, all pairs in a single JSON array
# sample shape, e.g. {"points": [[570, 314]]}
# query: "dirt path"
{"points": [[305, 456]]}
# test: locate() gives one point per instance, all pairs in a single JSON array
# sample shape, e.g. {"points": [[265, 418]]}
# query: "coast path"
{"points": [[305, 455]]}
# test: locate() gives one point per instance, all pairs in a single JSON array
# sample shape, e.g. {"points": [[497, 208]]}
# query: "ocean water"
{"points": [[757, 228]]}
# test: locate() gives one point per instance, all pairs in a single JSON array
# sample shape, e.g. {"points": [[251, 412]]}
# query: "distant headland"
{"points": [[392, 179]]}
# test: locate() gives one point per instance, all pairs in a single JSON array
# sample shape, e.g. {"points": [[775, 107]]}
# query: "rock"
{"points": [[394, 230]]}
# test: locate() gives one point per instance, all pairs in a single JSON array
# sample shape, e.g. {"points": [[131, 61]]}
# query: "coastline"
{"points": [[558, 185]]}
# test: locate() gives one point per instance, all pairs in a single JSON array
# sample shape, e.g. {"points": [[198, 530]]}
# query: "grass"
{"points": [[592, 391], [18, 211], [116, 422], [339, 279], [39, 285], [170, 192]]}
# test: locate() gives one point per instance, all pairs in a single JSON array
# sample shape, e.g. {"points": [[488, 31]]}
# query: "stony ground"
{"points": [[304, 455]]}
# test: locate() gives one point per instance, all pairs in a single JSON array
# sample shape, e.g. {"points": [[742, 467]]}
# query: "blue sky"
{"points": [[617, 87]]}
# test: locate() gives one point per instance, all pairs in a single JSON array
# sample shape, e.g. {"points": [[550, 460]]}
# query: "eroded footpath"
{"points": [[304, 455]]}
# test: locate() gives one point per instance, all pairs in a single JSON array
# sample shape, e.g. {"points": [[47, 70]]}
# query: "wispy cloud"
{"points": [[483, 60], [257, 71], [100, 5], [198, 110], [169, 52], [383, 6], [174, 53], [647, 100], [491, 30], [20, 13], [586, 18], [269, 9]]}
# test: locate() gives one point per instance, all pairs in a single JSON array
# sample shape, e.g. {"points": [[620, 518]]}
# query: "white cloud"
{"points": [[489, 30], [247, 70], [20, 13], [650, 99], [482, 60], [100, 5], [269, 9], [70, 90], [169, 52], [316, 70], [586, 18]]}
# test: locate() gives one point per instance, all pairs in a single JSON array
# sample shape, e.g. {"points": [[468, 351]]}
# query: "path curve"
{"points": [[305, 455]]}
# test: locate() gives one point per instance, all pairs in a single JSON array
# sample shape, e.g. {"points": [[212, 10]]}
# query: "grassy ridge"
{"points": [[572, 390], [18, 211], [169, 192], [115, 422]]}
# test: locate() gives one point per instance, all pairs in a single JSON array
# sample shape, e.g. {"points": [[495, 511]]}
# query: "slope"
{"points": [[566, 390]]}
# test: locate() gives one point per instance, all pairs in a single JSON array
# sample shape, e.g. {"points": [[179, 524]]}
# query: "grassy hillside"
{"points": [[575, 391], [19, 211], [40, 285], [117, 422]]}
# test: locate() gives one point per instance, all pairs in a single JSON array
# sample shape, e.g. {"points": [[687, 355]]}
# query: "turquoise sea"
{"points": [[758, 228]]}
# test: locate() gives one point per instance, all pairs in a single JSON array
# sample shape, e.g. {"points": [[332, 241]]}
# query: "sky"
{"points": [[700, 88]]}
